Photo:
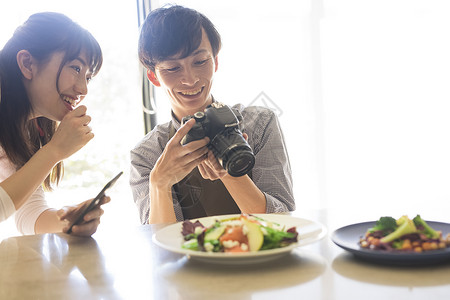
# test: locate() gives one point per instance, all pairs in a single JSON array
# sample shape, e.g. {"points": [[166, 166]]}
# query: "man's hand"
{"points": [[178, 160], [211, 169]]}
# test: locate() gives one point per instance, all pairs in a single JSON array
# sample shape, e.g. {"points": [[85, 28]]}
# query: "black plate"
{"points": [[348, 238]]}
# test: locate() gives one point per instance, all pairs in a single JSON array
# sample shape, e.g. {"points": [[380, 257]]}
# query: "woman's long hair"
{"points": [[42, 35]]}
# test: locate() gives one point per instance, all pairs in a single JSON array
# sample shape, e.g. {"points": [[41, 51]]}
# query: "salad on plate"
{"points": [[404, 234], [244, 233]]}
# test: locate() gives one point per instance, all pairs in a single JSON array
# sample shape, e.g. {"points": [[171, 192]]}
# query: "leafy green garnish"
{"points": [[275, 238], [191, 245], [385, 224]]}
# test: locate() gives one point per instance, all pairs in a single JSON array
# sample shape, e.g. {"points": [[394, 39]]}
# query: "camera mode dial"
{"points": [[199, 116]]}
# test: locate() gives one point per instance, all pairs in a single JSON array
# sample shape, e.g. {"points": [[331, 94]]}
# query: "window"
{"points": [[113, 101], [360, 87]]}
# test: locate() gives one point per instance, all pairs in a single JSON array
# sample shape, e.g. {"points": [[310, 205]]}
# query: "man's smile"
{"points": [[191, 92]]}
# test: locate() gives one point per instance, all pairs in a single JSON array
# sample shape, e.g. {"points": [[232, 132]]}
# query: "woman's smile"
{"points": [[70, 102]]}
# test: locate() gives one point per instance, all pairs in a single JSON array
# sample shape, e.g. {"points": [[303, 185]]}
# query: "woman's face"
{"points": [[188, 80], [54, 97]]}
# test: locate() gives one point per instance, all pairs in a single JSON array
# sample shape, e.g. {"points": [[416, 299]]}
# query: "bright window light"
{"points": [[113, 102]]}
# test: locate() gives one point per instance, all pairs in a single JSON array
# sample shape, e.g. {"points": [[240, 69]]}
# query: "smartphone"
{"points": [[94, 202]]}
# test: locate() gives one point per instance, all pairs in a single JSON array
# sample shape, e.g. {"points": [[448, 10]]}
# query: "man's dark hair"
{"points": [[172, 30]]}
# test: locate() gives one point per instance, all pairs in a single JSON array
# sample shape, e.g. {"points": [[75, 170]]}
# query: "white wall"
{"points": [[363, 87]]}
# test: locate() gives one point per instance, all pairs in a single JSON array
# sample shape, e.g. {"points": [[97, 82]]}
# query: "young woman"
{"points": [[44, 71]]}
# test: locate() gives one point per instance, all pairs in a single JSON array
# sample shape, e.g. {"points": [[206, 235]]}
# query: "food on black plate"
{"points": [[403, 234]]}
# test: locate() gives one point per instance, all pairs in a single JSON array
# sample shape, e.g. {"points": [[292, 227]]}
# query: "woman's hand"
{"points": [[72, 133], [90, 221]]}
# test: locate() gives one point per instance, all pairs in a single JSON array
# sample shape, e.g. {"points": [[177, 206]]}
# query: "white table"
{"points": [[127, 265]]}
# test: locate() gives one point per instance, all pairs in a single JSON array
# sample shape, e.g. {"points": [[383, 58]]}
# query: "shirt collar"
{"points": [[175, 122]]}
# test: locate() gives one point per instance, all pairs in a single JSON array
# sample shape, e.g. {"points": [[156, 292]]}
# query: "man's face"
{"points": [[188, 80]]}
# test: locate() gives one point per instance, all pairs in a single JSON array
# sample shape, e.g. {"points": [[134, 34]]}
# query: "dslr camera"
{"points": [[221, 124]]}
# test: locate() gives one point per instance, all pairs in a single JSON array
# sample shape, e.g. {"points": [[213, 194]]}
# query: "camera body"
{"points": [[221, 124]]}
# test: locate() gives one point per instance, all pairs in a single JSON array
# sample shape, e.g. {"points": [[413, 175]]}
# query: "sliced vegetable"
{"points": [[243, 234]]}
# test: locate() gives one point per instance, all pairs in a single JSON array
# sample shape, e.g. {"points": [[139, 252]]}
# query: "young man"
{"points": [[171, 181]]}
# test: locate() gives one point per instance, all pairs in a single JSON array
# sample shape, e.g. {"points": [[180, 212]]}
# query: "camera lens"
{"points": [[239, 162], [233, 153]]}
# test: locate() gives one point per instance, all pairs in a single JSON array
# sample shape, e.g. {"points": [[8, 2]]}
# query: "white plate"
{"points": [[170, 238]]}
